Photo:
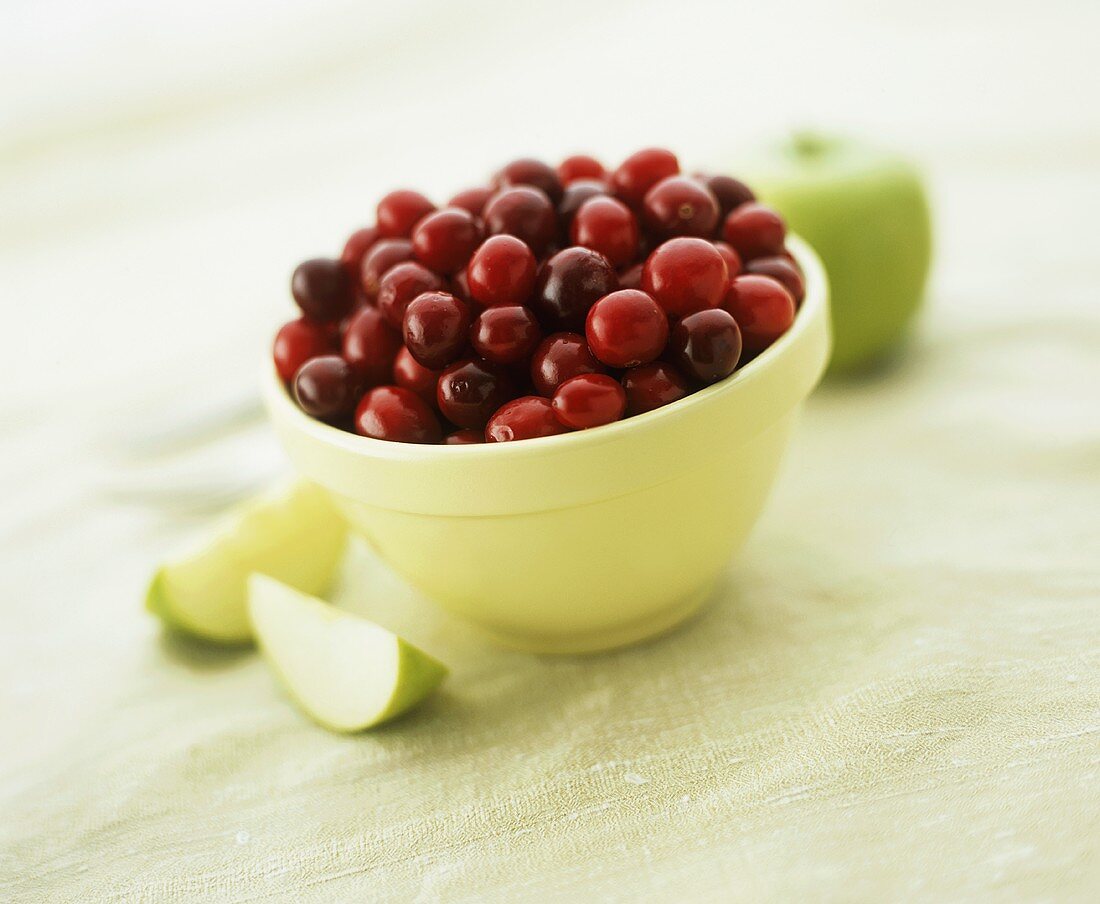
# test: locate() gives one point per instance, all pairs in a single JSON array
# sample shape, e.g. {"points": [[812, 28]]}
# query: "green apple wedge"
{"points": [[346, 673], [865, 212], [294, 534]]}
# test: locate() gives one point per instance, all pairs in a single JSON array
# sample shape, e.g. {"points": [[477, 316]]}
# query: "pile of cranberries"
{"points": [[548, 301]]}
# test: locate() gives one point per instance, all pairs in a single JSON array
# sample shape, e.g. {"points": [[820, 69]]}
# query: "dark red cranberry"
{"points": [[401, 284], [444, 240], [575, 195], [358, 243], [706, 344], [460, 286], [782, 269], [678, 205], [762, 307], [528, 417], [730, 256], [525, 212], [652, 386], [400, 210], [472, 199], [755, 231], [608, 226], [502, 271], [297, 342], [370, 345], [640, 172], [327, 388], [626, 328], [436, 328], [568, 284], [471, 390], [580, 166], [384, 254], [398, 415], [322, 289], [730, 192], [409, 373], [559, 357], [631, 278], [589, 400], [685, 275], [466, 437], [531, 172], [505, 334]]}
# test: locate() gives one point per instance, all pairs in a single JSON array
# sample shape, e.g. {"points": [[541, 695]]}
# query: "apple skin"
{"points": [[866, 213]]}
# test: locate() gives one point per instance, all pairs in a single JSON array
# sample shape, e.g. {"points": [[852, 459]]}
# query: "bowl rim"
{"points": [[281, 404]]}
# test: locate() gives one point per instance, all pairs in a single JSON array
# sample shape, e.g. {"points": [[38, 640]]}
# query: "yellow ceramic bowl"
{"points": [[586, 541]]}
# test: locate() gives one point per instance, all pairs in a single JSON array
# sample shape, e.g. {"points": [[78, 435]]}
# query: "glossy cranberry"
{"points": [[631, 278], [297, 342], [370, 345], [502, 271], [400, 210], [527, 417], [398, 415], [559, 357], [706, 345], [590, 400], [401, 284], [640, 172], [568, 284], [678, 205], [608, 226], [575, 195], [385, 253], [626, 328], [436, 328], [685, 275], [525, 212], [322, 289], [730, 192], [471, 390], [755, 231], [762, 307], [472, 199], [409, 373], [357, 245], [580, 166], [444, 240], [531, 172], [653, 386], [782, 269], [327, 388], [505, 334], [730, 256], [466, 437]]}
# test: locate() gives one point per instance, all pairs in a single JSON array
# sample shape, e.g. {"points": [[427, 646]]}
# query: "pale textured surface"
{"points": [[895, 695]]}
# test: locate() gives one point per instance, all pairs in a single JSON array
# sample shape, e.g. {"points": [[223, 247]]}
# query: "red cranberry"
{"points": [[472, 199], [678, 205], [590, 400], [524, 212], [409, 373], [297, 342], [436, 328], [505, 334], [706, 344], [322, 289], [626, 328], [400, 210], [444, 240], [531, 172], [575, 195], [502, 271], [528, 417], [460, 286], [631, 278], [467, 437], [730, 192], [763, 309], [580, 166], [606, 225], [401, 284], [730, 256], [370, 345], [640, 172], [755, 231], [396, 414], [685, 275], [327, 388], [568, 284], [782, 269], [559, 357], [358, 243], [471, 390], [384, 254], [652, 386]]}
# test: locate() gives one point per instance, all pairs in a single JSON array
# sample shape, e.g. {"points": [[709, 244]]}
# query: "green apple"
{"points": [[294, 534], [345, 672], [866, 213]]}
